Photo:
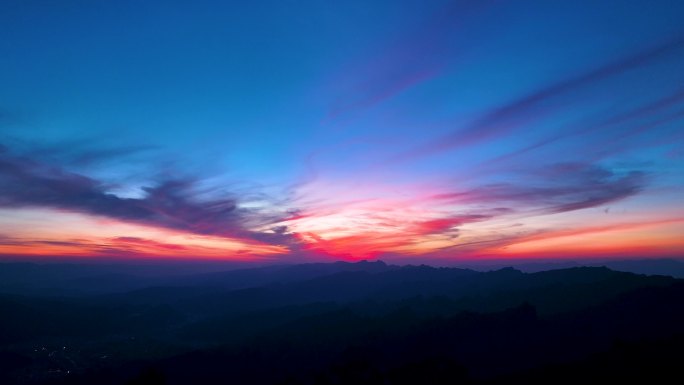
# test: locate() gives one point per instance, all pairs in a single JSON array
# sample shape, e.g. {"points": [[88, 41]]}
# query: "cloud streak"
{"points": [[538, 104], [422, 55]]}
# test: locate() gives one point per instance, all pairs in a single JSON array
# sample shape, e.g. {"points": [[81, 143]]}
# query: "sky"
{"points": [[282, 131]]}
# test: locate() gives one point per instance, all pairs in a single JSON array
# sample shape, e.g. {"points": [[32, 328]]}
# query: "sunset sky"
{"points": [[318, 130]]}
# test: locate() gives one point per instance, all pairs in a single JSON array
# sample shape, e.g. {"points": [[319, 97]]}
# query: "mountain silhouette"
{"points": [[341, 323]]}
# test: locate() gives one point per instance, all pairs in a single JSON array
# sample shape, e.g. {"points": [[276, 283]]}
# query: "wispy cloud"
{"points": [[539, 104], [620, 126], [414, 58]]}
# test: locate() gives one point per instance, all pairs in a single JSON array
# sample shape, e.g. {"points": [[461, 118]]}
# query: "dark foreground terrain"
{"points": [[340, 323]]}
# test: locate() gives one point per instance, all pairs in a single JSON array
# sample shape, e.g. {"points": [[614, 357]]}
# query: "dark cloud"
{"points": [[170, 204], [559, 188], [58, 243]]}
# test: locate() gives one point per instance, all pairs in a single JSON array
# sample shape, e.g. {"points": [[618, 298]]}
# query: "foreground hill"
{"points": [[340, 323]]}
